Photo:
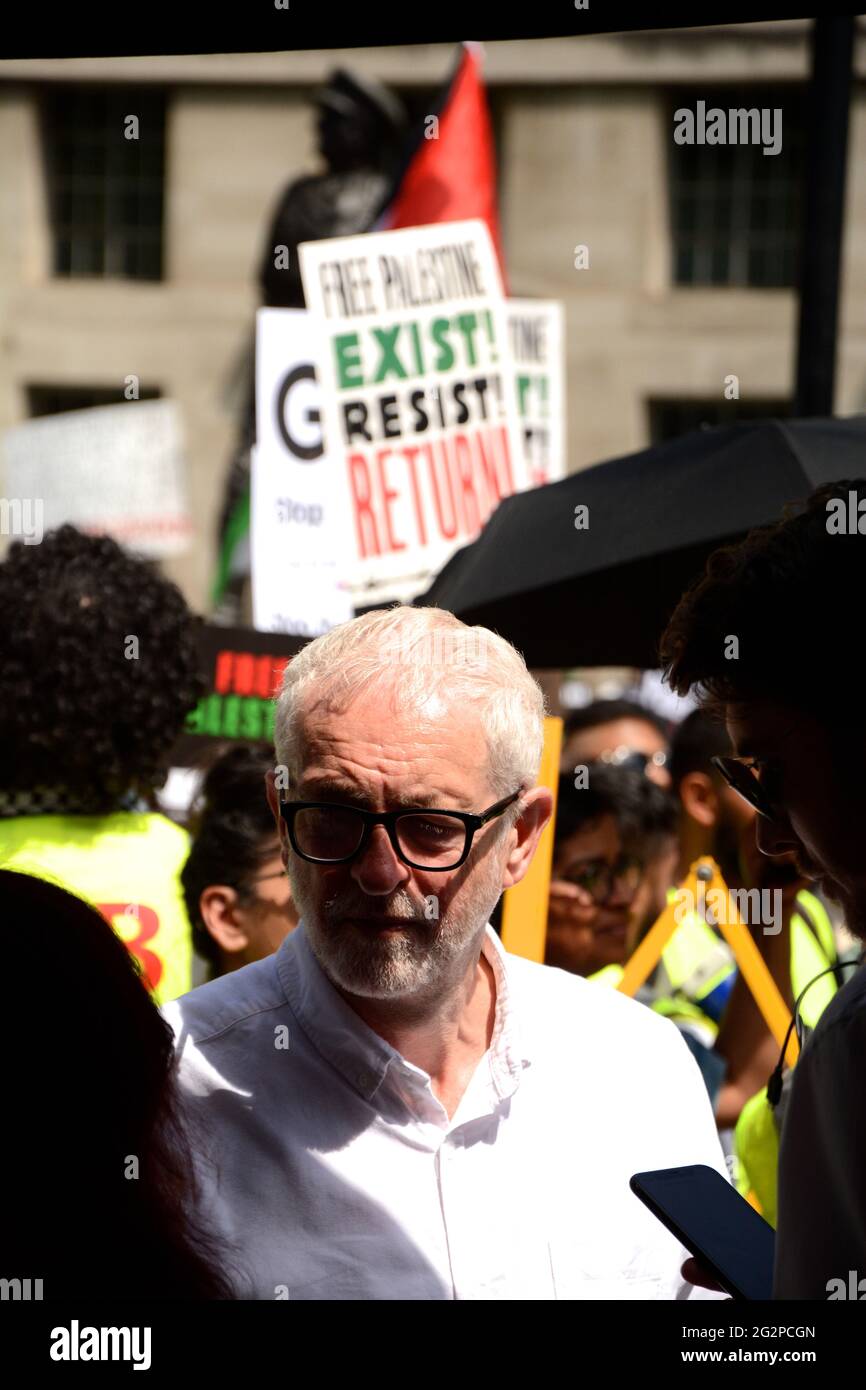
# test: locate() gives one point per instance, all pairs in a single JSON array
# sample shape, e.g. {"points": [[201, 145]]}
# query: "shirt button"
{"points": [[364, 1080]]}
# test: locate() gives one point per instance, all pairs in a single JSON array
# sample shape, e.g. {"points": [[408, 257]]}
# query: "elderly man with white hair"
{"points": [[393, 1106]]}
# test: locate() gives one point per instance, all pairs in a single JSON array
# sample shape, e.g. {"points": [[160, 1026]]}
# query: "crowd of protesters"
{"points": [[369, 1097]]}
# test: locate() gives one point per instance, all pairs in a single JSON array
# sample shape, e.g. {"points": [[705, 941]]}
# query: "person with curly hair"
{"points": [[99, 667], [770, 638]]}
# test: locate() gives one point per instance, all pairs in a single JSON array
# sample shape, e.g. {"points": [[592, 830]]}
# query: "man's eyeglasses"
{"points": [[598, 878], [324, 833], [742, 774]]}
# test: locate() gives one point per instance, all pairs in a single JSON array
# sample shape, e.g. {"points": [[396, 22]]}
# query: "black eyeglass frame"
{"points": [[472, 824], [740, 778]]}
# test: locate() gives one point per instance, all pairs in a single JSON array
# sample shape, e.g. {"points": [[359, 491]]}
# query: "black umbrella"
{"points": [[602, 596]]}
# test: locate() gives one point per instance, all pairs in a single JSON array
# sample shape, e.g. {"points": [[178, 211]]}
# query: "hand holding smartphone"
{"points": [[710, 1218]]}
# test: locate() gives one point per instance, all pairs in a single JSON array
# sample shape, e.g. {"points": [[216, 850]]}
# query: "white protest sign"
{"points": [[535, 335], [114, 470], [298, 513], [418, 394]]}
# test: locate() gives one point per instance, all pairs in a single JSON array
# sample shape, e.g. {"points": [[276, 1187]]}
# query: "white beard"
{"points": [[419, 960]]}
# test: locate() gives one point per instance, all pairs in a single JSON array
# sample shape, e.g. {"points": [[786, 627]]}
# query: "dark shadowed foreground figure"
{"points": [[95, 1167], [790, 687], [400, 1108]]}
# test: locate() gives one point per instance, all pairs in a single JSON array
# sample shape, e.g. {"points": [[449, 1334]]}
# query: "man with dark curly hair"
{"points": [[771, 637], [98, 669]]}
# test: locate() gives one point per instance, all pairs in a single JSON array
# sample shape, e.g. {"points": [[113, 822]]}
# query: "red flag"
{"points": [[452, 176]]}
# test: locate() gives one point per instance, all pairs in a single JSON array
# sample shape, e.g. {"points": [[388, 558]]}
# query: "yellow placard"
{"points": [[524, 907], [756, 973]]}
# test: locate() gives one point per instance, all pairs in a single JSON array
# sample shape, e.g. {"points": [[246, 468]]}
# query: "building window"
{"points": [[55, 400], [735, 211], [670, 418], [105, 192]]}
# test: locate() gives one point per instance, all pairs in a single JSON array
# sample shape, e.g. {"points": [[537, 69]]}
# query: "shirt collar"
{"points": [[356, 1051], [507, 1052]]}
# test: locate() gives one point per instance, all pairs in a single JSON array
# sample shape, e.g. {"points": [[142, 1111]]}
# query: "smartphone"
{"points": [[710, 1218]]}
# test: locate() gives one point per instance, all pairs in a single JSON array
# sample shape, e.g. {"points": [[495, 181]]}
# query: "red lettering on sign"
{"points": [[441, 479], [262, 677], [243, 682], [506, 478], [388, 495], [464, 465], [462, 478], [148, 925], [411, 455], [362, 494], [223, 672]]}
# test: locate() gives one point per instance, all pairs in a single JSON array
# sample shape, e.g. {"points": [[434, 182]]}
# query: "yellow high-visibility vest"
{"points": [[756, 1138], [607, 975], [127, 864], [811, 952], [696, 961], [756, 1145]]}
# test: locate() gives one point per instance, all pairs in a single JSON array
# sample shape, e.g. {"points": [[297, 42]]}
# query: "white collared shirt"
{"points": [[337, 1174]]}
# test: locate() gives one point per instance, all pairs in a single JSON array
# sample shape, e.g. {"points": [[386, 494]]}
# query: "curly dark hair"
{"points": [[78, 707], [791, 594]]}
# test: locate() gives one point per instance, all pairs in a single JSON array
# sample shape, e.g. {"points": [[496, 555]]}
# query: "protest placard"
{"points": [[242, 671], [418, 394], [299, 513], [535, 336], [114, 470]]}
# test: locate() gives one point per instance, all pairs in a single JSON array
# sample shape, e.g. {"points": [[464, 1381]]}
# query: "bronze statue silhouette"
{"points": [[360, 125], [361, 129]]}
